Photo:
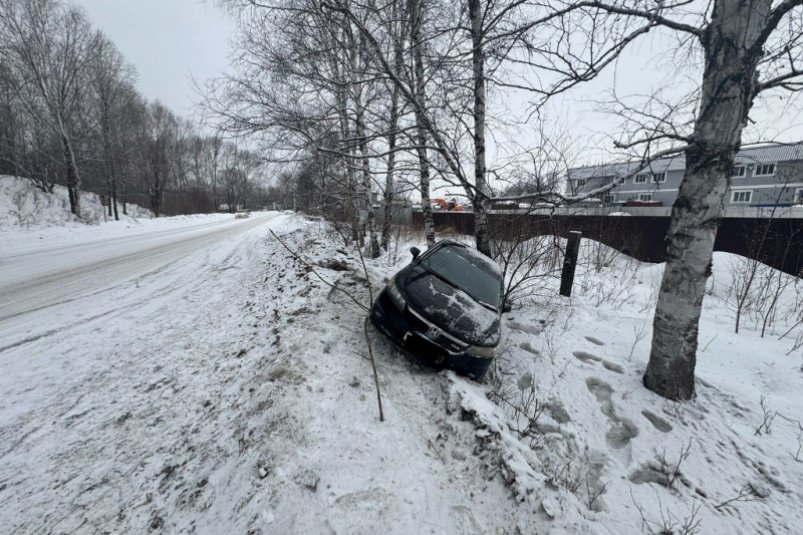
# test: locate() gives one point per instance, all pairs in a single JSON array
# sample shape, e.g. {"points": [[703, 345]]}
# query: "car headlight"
{"points": [[395, 295], [482, 351]]}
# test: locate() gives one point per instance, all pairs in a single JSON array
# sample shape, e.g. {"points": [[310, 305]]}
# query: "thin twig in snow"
{"points": [[312, 269], [746, 494], [376, 374], [354, 299]]}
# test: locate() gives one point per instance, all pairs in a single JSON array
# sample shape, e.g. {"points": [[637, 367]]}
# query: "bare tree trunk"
{"points": [[353, 197], [357, 95], [348, 198], [216, 146], [114, 199], [155, 196], [393, 124], [341, 96], [729, 87], [482, 195], [73, 178], [420, 96], [111, 169], [373, 243], [389, 175], [124, 199]]}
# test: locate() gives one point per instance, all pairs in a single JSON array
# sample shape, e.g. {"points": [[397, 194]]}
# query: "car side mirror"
{"points": [[415, 251]]}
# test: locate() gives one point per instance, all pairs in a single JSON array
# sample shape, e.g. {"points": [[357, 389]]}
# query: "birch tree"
{"points": [[448, 93], [747, 47], [48, 48], [304, 86], [419, 103], [398, 35]]}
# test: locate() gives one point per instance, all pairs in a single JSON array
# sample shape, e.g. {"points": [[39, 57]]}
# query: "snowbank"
{"points": [[605, 454], [23, 206]]}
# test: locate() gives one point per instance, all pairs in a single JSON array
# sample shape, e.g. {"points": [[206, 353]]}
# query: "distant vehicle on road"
{"points": [[242, 214], [445, 308]]}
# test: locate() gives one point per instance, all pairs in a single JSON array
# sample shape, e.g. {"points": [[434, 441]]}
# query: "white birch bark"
{"points": [[420, 119], [393, 124], [342, 90], [73, 177], [367, 190], [482, 195], [732, 50]]}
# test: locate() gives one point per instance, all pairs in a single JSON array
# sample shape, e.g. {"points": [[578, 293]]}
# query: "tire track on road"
{"points": [[68, 289]]}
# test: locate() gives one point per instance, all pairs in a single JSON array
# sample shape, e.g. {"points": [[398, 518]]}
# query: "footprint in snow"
{"points": [[595, 341], [620, 434], [621, 430], [526, 346], [590, 357], [586, 357], [527, 328], [612, 366], [659, 423]]}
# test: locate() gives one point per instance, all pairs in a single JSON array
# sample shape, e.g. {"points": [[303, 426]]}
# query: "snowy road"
{"points": [[39, 277], [97, 326]]}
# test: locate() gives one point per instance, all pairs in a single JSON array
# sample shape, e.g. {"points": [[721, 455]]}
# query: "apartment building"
{"points": [[763, 176]]}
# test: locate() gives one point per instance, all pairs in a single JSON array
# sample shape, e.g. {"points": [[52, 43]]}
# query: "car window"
{"points": [[473, 274]]}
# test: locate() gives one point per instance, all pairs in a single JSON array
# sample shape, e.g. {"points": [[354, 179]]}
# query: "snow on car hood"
{"points": [[451, 309]]}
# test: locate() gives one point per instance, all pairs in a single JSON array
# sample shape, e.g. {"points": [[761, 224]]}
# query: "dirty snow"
{"points": [[227, 389]]}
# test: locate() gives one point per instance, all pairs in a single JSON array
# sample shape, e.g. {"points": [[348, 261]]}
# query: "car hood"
{"points": [[449, 308]]}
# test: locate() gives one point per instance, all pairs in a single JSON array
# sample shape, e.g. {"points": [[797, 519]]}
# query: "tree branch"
{"points": [[652, 16]]}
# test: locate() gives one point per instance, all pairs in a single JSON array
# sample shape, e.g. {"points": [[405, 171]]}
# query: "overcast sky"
{"points": [[169, 42]]}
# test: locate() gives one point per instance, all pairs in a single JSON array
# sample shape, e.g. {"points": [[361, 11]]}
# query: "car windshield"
{"points": [[473, 274]]}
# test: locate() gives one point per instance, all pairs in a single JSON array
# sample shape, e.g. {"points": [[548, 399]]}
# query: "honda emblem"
{"points": [[433, 332]]}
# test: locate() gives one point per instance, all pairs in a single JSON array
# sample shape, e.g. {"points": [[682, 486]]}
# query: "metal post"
{"points": [[570, 262]]}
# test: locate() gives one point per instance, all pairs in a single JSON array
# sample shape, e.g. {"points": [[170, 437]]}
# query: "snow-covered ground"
{"points": [[23, 206], [227, 389]]}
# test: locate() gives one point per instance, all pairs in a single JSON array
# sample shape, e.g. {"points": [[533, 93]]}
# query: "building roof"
{"points": [[771, 153], [760, 154]]}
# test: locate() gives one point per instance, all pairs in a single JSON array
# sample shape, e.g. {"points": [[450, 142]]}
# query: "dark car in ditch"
{"points": [[445, 308]]}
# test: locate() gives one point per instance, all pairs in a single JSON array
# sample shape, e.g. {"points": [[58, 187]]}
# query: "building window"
{"points": [[579, 183], [741, 197], [767, 169], [799, 196], [738, 171], [609, 198], [658, 177], [640, 179], [645, 196]]}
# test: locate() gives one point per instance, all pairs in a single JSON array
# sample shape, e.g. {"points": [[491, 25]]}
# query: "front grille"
{"points": [[433, 333], [425, 349]]}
